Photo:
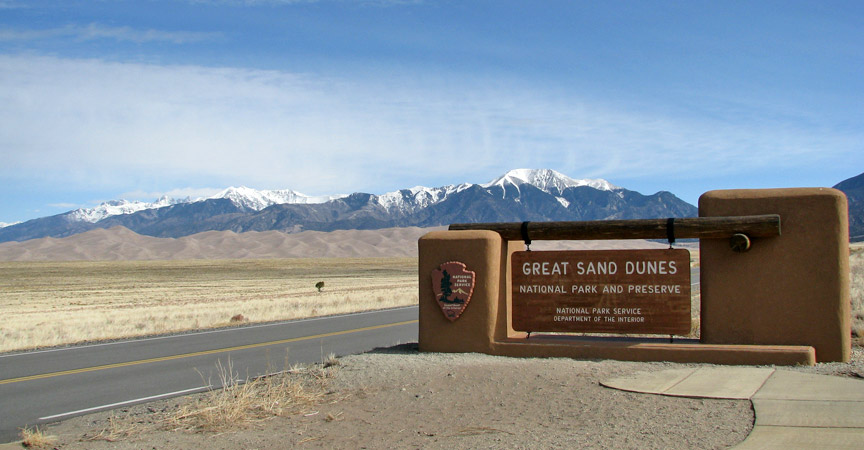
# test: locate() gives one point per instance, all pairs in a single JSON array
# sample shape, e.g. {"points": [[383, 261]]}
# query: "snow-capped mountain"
{"points": [[256, 200], [418, 197], [117, 207], [4, 224], [403, 201], [242, 196], [518, 195], [547, 180]]}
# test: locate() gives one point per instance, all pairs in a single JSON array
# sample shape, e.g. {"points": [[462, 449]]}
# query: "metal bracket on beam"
{"points": [[739, 243]]}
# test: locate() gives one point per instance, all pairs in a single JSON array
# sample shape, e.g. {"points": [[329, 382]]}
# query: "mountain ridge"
{"points": [[520, 194], [547, 180], [854, 189]]}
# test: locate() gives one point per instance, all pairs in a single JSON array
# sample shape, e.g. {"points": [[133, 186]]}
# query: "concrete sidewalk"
{"points": [[793, 410]]}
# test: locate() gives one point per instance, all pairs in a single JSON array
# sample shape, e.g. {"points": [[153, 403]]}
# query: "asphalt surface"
{"points": [[46, 386]]}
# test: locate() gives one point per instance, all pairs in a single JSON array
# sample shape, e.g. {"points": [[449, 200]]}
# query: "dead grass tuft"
{"points": [[239, 403], [331, 361], [34, 438], [117, 429], [235, 405]]}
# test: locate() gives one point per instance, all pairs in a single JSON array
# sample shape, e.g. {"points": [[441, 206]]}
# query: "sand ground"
{"points": [[400, 398]]}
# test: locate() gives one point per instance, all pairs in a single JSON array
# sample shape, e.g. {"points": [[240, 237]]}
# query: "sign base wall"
{"points": [[788, 290]]}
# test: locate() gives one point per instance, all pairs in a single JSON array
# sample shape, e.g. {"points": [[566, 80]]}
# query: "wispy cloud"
{"points": [[300, 2], [95, 123], [11, 4], [253, 2], [180, 193], [95, 31]]}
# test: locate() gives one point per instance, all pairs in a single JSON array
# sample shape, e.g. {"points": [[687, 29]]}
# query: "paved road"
{"points": [[51, 385]]}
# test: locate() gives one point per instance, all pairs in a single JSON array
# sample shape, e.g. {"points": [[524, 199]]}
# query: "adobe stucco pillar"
{"points": [[789, 290], [475, 329]]}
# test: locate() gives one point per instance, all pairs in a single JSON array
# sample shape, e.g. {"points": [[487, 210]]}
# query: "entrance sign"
{"points": [[768, 306], [453, 285], [602, 291]]}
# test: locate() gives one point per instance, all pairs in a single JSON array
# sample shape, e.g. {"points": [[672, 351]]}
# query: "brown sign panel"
{"points": [[453, 285], [602, 291]]}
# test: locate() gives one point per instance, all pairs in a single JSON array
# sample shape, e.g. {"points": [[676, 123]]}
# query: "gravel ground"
{"points": [[400, 398]]}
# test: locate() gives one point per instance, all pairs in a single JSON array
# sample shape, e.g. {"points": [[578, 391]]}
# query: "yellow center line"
{"points": [[206, 352]]}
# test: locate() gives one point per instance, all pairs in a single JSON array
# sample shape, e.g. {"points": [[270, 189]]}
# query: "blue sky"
{"points": [[107, 99]]}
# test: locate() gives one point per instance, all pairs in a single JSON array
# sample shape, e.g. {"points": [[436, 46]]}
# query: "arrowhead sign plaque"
{"points": [[453, 285]]}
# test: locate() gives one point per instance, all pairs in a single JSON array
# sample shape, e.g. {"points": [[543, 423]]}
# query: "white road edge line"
{"points": [[114, 405], [224, 330]]}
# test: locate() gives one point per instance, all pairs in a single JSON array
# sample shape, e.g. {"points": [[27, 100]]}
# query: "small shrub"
{"points": [[239, 403], [319, 285], [238, 318], [35, 438], [331, 361]]}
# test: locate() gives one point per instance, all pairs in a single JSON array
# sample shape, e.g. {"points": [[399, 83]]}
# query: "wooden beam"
{"points": [[767, 225]]}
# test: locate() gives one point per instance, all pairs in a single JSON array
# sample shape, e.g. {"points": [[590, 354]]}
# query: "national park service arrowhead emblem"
{"points": [[453, 285]]}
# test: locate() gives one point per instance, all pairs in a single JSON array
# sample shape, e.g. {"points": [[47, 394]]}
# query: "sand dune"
{"points": [[120, 243]]}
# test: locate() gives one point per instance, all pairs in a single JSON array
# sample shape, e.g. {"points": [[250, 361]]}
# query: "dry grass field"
{"points": [[56, 303], [856, 269]]}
